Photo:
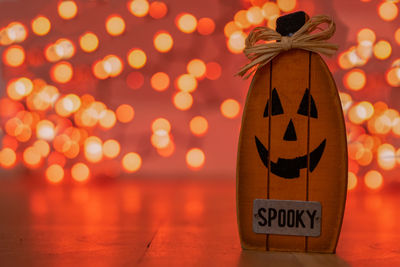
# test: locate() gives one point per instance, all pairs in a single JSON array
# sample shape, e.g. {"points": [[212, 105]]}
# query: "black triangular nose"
{"points": [[290, 134]]}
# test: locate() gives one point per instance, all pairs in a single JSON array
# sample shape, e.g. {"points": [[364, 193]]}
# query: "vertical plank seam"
{"points": [[308, 136], [269, 142]]}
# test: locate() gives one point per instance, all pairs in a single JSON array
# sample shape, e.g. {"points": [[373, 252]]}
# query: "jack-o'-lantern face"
{"points": [[290, 167]]}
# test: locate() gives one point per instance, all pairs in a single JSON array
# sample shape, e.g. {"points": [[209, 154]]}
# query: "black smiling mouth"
{"points": [[290, 168]]}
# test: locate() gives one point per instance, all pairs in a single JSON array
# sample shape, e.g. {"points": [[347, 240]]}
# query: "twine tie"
{"points": [[274, 43]]}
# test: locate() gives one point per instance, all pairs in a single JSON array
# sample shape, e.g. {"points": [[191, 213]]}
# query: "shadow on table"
{"points": [[282, 259]]}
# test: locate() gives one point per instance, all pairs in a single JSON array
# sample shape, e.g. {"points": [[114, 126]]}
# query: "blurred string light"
{"points": [[67, 9], [139, 8], [15, 32], [371, 126], [14, 56], [41, 25], [163, 41], [115, 25], [89, 42], [160, 81], [136, 58], [195, 158], [158, 9], [46, 128], [186, 22]]}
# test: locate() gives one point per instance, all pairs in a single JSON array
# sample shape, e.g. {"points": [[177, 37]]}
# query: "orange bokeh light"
{"points": [[183, 100], [382, 50], [230, 108], [89, 42], [54, 173], [136, 58], [15, 32], [67, 9], [111, 148], [393, 77], [213, 71], [198, 125], [159, 81], [195, 158], [286, 5], [186, 23], [115, 25], [205, 26], [373, 179], [93, 149], [31, 157], [45, 130], [236, 42], [158, 10], [388, 11], [8, 158], [241, 20], [125, 113], [62, 72], [386, 156], [41, 25], [14, 56], [20, 88], [186, 83], [42, 147], [139, 8], [270, 10], [131, 162], [112, 65], [197, 68], [355, 79], [163, 42], [254, 15], [107, 119], [80, 172]]}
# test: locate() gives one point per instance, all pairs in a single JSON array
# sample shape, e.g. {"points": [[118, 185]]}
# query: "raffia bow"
{"points": [[261, 54]]}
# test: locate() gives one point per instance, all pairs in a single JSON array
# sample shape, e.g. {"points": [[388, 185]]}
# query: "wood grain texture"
{"points": [[154, 221], [257, 98], [310, 167], [290, 79]]}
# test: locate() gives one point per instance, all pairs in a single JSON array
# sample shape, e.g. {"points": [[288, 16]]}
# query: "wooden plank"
{"points": [[304, 157], [189, 234], [328, 182], [252, 175], [290, 79]]}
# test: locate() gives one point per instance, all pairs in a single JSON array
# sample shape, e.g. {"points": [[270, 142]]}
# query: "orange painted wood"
{"points": [[257, 188], [318, 126]]}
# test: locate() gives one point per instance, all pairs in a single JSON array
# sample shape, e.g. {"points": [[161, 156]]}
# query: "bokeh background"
{"points": [[95, 90]]}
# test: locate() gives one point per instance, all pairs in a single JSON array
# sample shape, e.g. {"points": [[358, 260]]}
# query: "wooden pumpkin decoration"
{"points": [[292, 156]]}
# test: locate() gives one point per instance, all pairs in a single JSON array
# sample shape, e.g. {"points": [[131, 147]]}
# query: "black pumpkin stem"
{"points": [[289, 24]]}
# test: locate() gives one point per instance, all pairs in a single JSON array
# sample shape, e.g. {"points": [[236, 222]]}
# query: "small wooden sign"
{"points": [[292, 147], [287, 217]]}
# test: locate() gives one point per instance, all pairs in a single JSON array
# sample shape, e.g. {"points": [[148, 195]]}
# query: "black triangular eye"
{"points": [[303, 109], [276, 105]]}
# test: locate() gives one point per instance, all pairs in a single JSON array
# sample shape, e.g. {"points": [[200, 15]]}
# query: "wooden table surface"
{"points": [[174, 222]]}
